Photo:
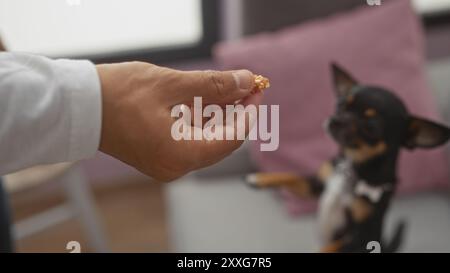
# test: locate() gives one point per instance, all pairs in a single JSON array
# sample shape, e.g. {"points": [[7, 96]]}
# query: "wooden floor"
{"points": [[133, 215]]}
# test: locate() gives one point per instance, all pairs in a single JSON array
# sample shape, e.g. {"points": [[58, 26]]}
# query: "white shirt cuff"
{"points": [[81, 80]]}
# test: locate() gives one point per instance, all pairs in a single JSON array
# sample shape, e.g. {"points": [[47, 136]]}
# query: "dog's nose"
{"points": [[343, 117], [336, 122], [340, 121]]}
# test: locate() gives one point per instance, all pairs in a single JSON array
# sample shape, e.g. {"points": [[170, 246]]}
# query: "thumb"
{"points": [[216, 86]]}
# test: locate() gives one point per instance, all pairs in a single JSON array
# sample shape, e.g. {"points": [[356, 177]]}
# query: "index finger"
{"points": [[210, 151]]}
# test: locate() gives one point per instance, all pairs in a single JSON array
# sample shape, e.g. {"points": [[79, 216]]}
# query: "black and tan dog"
{"points": [[371, 125]]}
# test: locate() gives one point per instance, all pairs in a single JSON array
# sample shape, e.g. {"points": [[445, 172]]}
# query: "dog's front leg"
{"points": [[313, 186], [303, 187]]}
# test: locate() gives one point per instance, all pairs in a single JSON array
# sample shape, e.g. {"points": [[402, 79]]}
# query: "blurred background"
{"points": [[106, 205]]}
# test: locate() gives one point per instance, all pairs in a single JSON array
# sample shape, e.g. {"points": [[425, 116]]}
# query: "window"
{"points": [[108, 29], [429, 7]]}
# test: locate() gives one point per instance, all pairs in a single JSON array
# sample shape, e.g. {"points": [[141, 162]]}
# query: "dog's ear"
{"points": [[343, 81], [422, 133]]}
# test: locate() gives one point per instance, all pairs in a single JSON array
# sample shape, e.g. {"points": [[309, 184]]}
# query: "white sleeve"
{"points": [[50, 111]]}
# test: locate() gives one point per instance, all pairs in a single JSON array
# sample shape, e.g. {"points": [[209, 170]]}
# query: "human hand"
{"points": [[137, 99]]}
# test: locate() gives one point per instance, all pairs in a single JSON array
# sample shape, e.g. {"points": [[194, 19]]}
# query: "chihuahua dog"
{"points": [[371, 125]]}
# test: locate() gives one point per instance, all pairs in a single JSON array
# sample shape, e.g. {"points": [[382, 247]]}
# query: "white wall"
{"points": [[431, 6], [76, 27]]}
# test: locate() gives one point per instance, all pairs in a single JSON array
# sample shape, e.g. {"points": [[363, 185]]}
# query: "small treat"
{"points": [[261, 83]]}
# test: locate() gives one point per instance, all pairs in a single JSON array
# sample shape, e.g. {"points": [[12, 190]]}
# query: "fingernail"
{"points": [[244, 80]]}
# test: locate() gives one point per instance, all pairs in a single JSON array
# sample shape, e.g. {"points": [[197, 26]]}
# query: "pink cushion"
{"points": [[380, 45]]}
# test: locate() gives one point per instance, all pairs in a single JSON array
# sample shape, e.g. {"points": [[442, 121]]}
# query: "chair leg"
{"points": [[6, 241], [79, 196]]}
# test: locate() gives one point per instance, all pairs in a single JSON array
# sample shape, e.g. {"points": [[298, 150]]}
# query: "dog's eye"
{"points": [[370, 113]]}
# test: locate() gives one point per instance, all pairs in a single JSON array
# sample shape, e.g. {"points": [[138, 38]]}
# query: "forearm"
{"points": [[50, 111]]}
